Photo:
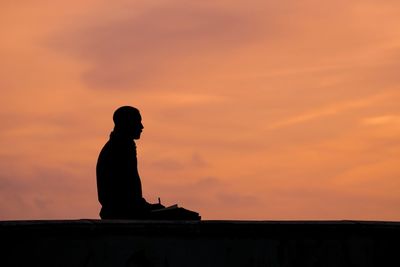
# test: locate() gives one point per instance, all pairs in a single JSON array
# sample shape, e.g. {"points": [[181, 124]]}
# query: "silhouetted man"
{"points": [[118, 183]]}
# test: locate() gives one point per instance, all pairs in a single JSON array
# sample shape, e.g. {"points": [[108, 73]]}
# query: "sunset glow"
{"points": [[261, 110]]}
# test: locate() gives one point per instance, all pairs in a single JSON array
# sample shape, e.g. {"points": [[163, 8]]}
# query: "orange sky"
{"points": [[253, 109]]}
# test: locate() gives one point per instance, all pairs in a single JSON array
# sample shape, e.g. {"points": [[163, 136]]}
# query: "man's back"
{"points": [[118, 182]]}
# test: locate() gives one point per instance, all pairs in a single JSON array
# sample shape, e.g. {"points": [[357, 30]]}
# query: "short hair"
{"points": [[125, 114]]}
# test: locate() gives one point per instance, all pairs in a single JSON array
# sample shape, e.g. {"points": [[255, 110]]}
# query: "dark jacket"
{"points": [[118, 183]]}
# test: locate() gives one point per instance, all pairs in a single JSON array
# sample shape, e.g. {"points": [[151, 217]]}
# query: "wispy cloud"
{"points": [[393, 120], [332, 109], [137, 49]]}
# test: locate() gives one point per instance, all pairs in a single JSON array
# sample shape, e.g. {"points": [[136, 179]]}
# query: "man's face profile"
{"points": [[128, 121], [137, 127]]}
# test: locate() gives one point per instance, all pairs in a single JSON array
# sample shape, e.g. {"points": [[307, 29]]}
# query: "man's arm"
{"points": [[150, 206]]}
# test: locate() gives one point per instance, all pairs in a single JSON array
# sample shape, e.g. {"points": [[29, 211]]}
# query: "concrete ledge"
{"points": [[199, 243]]}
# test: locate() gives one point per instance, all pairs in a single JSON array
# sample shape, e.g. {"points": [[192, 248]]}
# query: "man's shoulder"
{"points": [[115, 148]]}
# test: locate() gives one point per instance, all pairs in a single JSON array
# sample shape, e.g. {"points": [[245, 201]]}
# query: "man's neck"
{"points": [[121, 136]]}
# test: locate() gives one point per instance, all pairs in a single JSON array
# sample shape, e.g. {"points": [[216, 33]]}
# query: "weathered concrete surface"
{"points": [[199, 243]]}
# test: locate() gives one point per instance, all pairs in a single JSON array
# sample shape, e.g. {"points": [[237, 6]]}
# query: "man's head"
{"points": [[128, 121]]}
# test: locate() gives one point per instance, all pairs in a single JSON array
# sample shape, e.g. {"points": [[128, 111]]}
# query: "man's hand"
{"points": [[157, 206]]}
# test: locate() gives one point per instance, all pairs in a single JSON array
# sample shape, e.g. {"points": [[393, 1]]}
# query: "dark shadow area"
{"points": [[200, 243], [118, 182]]}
